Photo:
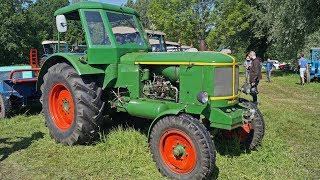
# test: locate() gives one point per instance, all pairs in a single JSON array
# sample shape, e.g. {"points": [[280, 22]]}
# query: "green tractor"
{"points": [[185, 95]]}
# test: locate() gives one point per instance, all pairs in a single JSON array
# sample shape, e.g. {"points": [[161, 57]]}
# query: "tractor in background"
{"points": [[313, 70], [157, 40], [51, 47], [184, 95], [18, 86]]}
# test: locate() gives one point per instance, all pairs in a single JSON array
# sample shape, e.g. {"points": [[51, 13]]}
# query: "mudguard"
{"points": [[76, 60], [165, 113]]}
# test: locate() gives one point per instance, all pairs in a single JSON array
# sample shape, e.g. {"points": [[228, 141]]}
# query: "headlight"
{"points": [[203, 97]]}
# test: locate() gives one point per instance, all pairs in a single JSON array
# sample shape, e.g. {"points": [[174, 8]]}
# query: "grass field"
{"points": [[290, 150]]}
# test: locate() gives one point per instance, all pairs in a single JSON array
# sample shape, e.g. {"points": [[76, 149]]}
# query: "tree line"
{"points": [[277, 29], [274, 29]]}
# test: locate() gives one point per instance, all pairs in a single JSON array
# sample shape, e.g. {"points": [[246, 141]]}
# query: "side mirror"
{"points": [[61, 23]]}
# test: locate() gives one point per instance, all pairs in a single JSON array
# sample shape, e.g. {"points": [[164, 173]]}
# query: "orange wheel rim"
{"points": [[244, 132], [177, 151], [61, 106]]}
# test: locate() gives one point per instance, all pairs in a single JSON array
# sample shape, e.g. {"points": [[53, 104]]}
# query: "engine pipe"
{"points": [[171, 72], [145, 109]]}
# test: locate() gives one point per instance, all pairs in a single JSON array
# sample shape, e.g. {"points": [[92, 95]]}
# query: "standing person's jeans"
{"points": [[247, 76], [269, 75], [255, 95]]}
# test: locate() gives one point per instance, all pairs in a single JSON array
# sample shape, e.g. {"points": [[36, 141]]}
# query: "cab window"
{"points": [[97, 31], [125, 29]]}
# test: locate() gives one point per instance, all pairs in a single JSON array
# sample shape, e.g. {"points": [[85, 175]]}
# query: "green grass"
{"points": [[290, 150]]}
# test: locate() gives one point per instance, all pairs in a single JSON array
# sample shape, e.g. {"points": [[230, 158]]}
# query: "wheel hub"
{"points": [[65, 105], [179, 151]]}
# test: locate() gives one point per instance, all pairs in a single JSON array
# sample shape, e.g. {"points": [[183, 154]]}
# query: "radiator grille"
{"points": [[223, 79]]}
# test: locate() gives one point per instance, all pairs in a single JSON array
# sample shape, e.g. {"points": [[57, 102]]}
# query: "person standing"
{"points": [[269, 69], [303, 63], [255, 75], [247, 65]]}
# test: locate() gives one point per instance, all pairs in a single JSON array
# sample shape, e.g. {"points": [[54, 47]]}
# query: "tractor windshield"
{"points": [[125, 29]]}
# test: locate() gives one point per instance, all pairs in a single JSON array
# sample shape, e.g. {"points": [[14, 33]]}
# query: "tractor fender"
{"points": [[81, 67], [165, 113]]}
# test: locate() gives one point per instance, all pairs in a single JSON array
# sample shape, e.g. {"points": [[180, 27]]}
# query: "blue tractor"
{"points": [[18, 86], [313, 72]]}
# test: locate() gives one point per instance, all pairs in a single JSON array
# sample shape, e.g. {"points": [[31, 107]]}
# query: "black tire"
{"points": [[197, 134], [5, 107], [86, 98], [254, 138]]}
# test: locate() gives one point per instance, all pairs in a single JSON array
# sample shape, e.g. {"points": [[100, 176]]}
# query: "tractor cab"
{"points": [[51, 47], [110, 32], [157, 41]]}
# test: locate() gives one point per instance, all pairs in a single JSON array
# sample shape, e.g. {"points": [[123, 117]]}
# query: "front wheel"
{"points": [[251, 133], [182, 148], [71, 104]]}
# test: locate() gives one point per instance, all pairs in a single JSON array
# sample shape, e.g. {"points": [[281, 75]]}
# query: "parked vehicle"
{"points": [[120, 75], [17, 89], [275, 63], [313, 71]]}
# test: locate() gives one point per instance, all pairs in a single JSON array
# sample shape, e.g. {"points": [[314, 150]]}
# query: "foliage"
{"points": [[286, 25], [186, 20], [42, 21], [231, 26], [23, 25], [141, 7], [13, 31]]}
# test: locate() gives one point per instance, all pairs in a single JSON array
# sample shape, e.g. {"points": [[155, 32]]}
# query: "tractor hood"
{"points": [[177, 58]]}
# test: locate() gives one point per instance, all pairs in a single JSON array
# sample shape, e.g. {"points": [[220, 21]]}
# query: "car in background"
{"points": [[275, 63]]}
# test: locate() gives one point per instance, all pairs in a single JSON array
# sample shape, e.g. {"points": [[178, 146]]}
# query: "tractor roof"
{"points": [[155, 32], [93, 5], [52, 42]]}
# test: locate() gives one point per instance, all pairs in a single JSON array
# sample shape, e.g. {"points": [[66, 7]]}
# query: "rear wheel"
{"points": [[71, 104], [5, 107], [182, 148]]}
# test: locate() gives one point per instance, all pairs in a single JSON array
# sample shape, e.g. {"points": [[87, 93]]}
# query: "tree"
{"points": [[42, 20], [286, 24], [13, 31], [188, 20], [141, 7], [231, 26]]}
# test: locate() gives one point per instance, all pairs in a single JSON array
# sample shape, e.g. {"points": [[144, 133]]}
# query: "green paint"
{"points": [[191, 83], [146, 109], [73, 8], [200, 57], [111, 75]]}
